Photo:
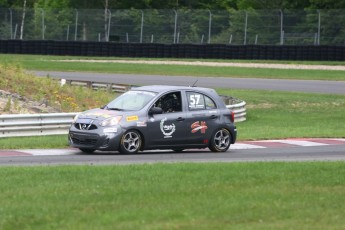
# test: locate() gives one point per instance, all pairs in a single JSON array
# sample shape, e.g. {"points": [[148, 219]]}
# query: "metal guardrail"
{"points": [[119, 88], [239, 110], [35, 124], [237, 106], [58, 123]]}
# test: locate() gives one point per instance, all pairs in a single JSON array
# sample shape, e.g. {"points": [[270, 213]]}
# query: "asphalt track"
{"points": [[315, 149], [310, 86], [294, 154]]}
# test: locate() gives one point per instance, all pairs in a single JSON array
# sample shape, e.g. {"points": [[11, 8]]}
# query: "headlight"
{"points": [[111, 121]]}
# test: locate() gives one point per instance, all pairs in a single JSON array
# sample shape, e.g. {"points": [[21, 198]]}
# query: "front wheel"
{"points": [[87, 150], [131, 142], [178, 150], [220, 141]]}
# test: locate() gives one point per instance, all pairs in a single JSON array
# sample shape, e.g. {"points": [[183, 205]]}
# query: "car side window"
{"points": [[170, 102], [198, 101], [210, 103]]}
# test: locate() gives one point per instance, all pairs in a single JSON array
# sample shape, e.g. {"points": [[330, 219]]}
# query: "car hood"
{"points": [[99, 114]]}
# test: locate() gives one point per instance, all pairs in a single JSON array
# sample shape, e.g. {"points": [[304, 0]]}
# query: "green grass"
{"points": [[270, 115], [34, 142], [39, 62], [175, 196]]}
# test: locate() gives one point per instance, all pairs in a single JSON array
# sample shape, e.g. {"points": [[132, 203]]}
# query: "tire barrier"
{"points": [[153, 50]]}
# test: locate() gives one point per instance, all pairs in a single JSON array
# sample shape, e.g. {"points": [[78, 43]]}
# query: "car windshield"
{"points": [[131, 100]]}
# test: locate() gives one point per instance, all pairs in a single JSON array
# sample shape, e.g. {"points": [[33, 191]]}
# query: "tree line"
{"points": [[176, 4], [265, 22]]}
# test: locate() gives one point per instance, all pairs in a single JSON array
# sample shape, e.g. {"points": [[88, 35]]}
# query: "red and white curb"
{"points": [[285, 143], [302, 142]]}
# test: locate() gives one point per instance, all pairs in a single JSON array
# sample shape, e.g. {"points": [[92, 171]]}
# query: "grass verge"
{"points": [[48, 91], [34, 142], [273, 114], [175, 196], [39, 62]]}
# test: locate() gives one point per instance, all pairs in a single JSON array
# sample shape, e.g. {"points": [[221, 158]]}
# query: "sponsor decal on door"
{"points": [[199, 125]]}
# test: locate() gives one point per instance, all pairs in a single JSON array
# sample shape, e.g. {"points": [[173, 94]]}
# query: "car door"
{"points": [[169, 128], [203, 117]]}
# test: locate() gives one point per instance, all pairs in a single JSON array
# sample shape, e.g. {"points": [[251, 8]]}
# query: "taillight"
{"points": [[232, 117]]}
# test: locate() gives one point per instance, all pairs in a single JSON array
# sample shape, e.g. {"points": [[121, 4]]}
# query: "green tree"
{"points": [[53, 4], [327, 4], [272, 4]]}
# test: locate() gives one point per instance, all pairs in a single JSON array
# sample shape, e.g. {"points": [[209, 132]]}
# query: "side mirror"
{"points": [[155, 110]]}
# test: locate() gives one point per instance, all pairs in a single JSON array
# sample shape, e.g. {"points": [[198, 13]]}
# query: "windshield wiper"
{"points": [[117, 109]]}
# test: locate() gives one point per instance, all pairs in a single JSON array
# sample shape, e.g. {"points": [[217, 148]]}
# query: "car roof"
{"points": [[165, 88]]}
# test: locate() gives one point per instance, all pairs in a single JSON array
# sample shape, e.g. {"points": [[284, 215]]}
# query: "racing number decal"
{"points": [[194, 100]]}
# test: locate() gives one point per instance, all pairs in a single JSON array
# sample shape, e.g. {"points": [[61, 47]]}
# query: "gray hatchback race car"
{"points": [[156, 117]]}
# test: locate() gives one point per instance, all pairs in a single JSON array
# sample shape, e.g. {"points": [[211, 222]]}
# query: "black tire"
{"points": [[131, 142], [178, 150], [220, 140], [84, 150]]}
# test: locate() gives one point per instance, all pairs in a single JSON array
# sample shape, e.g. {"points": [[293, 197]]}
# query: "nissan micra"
{"points": [[156, 117]]}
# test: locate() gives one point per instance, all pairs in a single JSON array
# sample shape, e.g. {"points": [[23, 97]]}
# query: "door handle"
{"points": [[214, 116], [180, 119]]}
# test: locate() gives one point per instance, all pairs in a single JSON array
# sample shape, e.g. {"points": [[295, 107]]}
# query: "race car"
{"points": [[156, 117]]}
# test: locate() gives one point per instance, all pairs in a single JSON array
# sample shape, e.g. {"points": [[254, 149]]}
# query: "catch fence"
{"points": [[183, 26]]}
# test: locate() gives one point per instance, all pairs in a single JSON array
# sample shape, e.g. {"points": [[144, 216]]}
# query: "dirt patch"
{"points": [[12, 103]]}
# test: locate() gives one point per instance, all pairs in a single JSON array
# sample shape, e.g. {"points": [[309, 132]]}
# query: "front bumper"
{"points": [[91, 139]]}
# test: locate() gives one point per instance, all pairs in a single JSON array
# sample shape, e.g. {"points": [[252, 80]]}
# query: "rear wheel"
{"points": [[131, 142], [178, 150], [220, 141], [87, 150]]}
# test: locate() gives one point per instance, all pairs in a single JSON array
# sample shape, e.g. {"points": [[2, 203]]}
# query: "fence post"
{"points": [[281, 28], [142, 26], [23, 21], [175, 27], [318, 27], [76, 25], [108, 31], [245, 29], [209, 27]]}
